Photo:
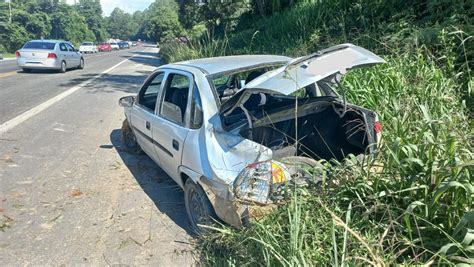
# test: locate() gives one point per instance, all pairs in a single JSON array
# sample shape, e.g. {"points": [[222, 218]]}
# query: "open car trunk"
{"points": [[264, 110], [320, 130]]}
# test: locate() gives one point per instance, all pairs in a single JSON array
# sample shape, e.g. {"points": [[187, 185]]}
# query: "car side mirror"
{"points": [[126, 101]]}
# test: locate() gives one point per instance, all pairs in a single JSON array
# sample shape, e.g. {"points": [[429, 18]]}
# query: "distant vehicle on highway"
{"points": [[105, 47], [49, 54], [88, 47], [123, 45], [115, 46]]}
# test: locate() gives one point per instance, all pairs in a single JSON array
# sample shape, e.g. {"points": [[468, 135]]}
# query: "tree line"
{"points": [[22, 20]]}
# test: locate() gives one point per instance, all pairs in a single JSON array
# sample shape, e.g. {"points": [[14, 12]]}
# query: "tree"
{"points": [[67, 24], [91, 10], [121, 25], [190, 13], [162, 22]]}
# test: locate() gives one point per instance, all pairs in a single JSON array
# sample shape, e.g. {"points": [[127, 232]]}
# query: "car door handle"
{"points": [[148, 126], [175, 145]]}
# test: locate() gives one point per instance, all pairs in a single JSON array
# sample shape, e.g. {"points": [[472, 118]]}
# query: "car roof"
{"points": [[215, 65]]}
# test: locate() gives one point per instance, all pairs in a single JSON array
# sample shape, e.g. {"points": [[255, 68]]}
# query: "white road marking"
{"points": [[5, 127]]}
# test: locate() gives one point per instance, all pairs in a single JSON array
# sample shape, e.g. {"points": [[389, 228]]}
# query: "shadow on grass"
{"points": [[167, 196]]}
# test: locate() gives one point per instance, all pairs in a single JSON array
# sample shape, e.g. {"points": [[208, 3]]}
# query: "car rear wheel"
{"points": [[198, 207], [81, 64], [63, 67], [129, 139]]}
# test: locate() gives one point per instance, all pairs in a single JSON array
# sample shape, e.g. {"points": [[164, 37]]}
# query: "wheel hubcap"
{"points": [[130, 139]]}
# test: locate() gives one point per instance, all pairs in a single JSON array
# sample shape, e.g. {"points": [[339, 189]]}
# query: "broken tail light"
{"points": [[377, 127], [52, 55], [255, 182]]}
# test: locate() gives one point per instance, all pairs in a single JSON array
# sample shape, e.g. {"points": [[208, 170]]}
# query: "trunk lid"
{"points": [[34, 55], [304, 71]]}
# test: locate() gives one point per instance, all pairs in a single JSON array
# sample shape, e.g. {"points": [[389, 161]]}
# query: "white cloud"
{"points": [[129, 6]]}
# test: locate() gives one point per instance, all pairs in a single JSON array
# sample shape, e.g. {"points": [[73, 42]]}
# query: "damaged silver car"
{"points": [[228, 129]]}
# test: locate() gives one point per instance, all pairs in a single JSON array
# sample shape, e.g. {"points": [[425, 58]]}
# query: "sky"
{"points": [[128, 6]]}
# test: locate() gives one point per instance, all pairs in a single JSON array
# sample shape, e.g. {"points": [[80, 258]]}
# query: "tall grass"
{"points": [[419, 208]]}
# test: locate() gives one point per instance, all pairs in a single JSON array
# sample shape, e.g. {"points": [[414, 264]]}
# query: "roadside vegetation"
{"points": [[413, 204]]}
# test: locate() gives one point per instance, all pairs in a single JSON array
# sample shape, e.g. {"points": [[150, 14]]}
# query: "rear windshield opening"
{"points": [[39, 45], [87, 43], [226, 85]]}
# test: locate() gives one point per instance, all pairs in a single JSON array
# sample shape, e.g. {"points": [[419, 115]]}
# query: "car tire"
{"points": [[26, 70], [129, 139], [81, 64], [63, 67], [198, 207]]}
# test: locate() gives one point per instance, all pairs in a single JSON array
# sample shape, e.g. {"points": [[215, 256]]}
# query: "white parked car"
{"points": [[227, 129], [115, 46], [88, 47], [49, 54]]}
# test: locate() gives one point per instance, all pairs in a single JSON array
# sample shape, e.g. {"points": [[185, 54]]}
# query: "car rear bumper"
{"points": [[44, 64]]}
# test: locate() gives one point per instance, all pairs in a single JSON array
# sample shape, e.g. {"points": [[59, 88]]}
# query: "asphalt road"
{"points": [[69, 194]]}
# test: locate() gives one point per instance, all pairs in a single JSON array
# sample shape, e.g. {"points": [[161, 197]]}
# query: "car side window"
{"points": [[70, 48], [149, 93], [62, 47], [175, 98], [196, 115]]}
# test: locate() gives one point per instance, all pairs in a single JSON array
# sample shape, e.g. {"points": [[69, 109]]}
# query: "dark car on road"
{"points": [[124, 45]]}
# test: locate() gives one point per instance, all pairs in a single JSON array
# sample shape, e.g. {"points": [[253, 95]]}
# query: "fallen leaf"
{"points": [[75, 193]]}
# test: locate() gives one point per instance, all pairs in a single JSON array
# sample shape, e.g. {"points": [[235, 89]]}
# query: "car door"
{"points": [[143, 116], [173, 114], [74, 56], [64, 53]]}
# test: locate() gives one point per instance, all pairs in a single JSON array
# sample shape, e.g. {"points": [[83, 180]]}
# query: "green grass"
{"points": [[419, 208], [8, 55]]}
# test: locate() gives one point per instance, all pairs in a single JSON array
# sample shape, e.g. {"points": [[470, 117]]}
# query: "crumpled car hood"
{"points": [[304, 71]]}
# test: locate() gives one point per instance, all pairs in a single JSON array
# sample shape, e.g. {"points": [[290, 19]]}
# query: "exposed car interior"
{"points": [[148, 97], [227, 85], [325, 127], [175, 98]]}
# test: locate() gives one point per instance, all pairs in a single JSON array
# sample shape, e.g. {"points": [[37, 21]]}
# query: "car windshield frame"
{"points": [[39, 45], [212, 77]]}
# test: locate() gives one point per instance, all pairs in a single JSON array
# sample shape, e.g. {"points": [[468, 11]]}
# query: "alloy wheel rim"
{"points": [[130, 139], [197, 210]]}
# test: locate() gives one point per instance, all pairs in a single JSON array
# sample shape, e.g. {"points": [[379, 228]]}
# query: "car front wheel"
{"points": [[26, 70], [129, 139], [198, 207]]}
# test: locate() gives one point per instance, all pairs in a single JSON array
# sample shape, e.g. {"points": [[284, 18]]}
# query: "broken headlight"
{"points": [[259, 180]]}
